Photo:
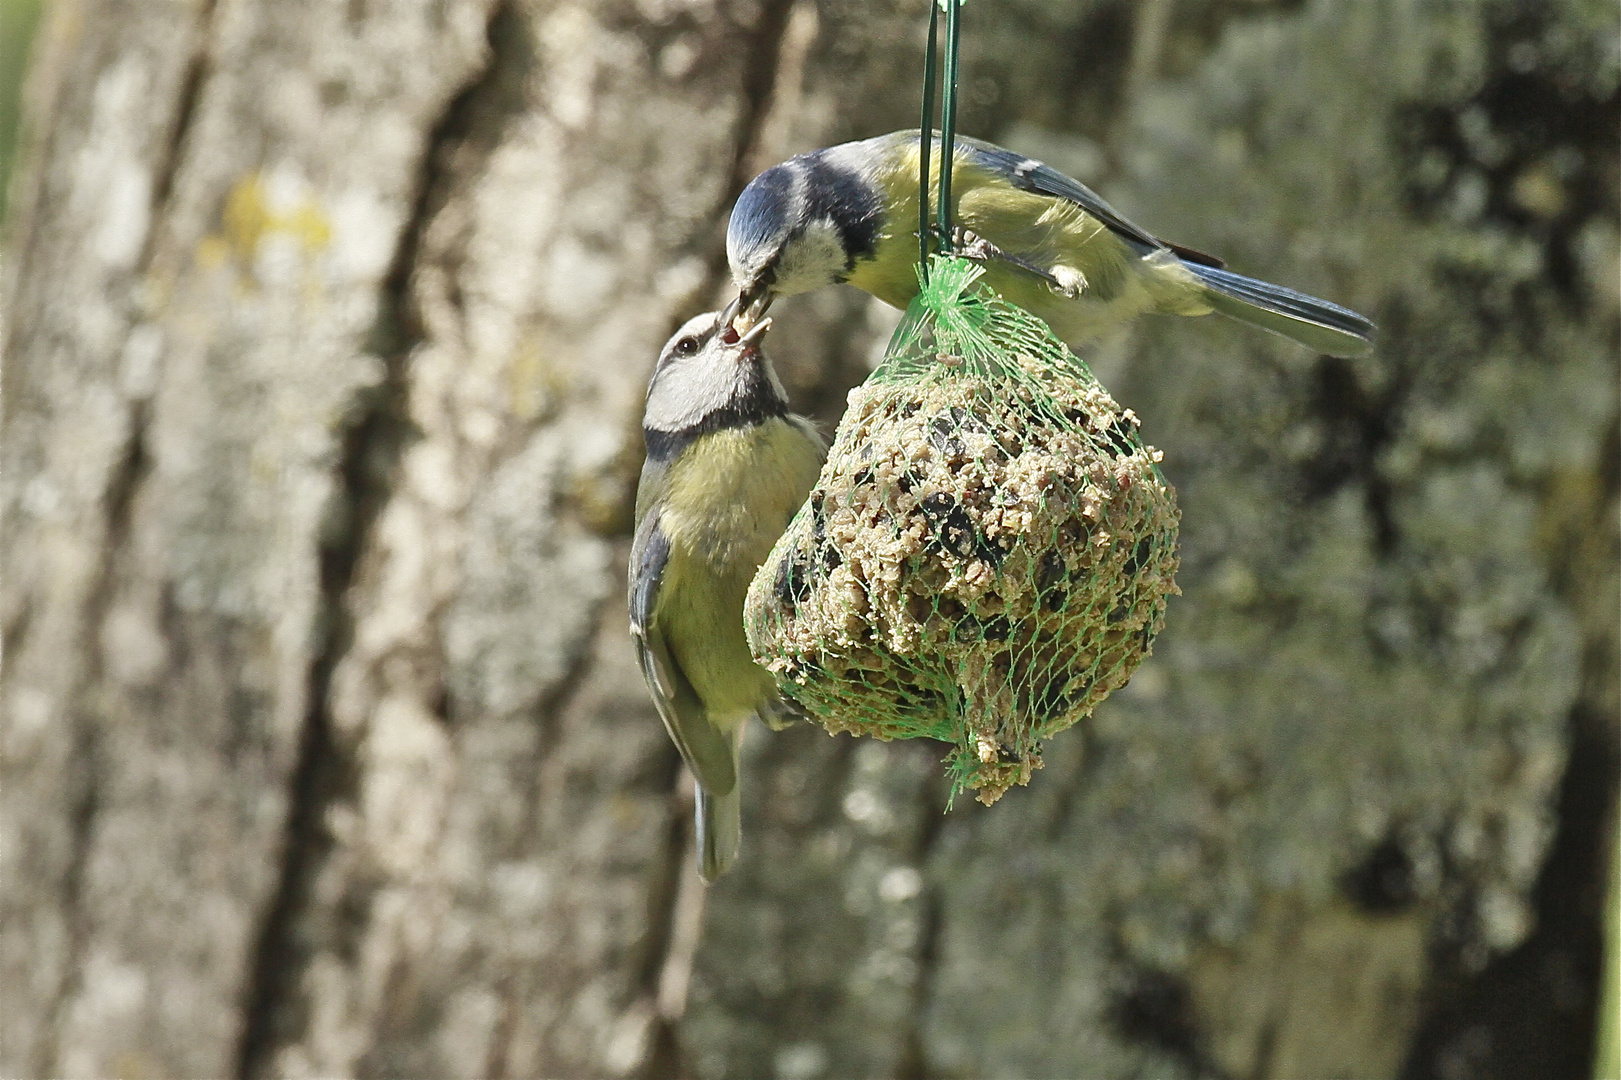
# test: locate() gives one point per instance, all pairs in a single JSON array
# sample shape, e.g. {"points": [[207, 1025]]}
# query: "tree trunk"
{"points": [[325, 752]]}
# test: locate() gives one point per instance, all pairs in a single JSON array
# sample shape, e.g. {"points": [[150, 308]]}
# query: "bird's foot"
{"points": [[781, 713], [971, 245]]}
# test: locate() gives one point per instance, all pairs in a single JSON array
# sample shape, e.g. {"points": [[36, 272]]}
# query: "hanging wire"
{"points": [[941, 233], [948, 124], [926, 143]]}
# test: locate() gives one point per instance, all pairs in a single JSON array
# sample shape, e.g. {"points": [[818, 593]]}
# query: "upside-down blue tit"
{"points": [[849, 213], [727, 466]]}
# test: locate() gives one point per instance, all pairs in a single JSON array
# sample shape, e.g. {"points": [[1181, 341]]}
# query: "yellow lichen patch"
{"points": [[256, 211], [246, 218], [308, 225]]}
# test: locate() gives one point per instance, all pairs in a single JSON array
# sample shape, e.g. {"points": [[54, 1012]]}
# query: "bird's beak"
{"points": [[751, 305], [751, 337]]}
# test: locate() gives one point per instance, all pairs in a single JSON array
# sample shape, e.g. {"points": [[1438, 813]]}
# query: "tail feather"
{"points": [[720, 832], [1316, 324]]}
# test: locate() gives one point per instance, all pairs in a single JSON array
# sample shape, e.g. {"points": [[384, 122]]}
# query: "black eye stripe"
{"points": [[839, 195]]}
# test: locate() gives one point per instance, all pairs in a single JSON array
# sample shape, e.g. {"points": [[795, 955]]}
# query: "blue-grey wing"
{"points": [[649, 552], [1028, 174], [706, 751]]}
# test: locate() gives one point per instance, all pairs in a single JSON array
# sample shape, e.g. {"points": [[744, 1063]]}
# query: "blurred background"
{"points": [[326, 324]]}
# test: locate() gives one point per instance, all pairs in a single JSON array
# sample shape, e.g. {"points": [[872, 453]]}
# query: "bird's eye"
{"points": [[686, 346]]}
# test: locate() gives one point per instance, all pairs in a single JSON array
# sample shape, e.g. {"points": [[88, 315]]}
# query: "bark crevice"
{"points": [[1358, 424], [1156, 1009], [913, 1064], [762, 51], [374, 440], [118, 501], [123, 482], [198, 69]]}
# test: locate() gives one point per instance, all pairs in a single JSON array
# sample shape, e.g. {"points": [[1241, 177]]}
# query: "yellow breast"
{"points": [[728, 501]]}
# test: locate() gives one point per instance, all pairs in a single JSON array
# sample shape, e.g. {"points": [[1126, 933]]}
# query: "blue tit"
{"points": [[727, 467], [849, 213]]}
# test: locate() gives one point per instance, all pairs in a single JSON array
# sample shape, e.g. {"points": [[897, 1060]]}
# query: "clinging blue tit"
{"points": [[849, 213], [727, 467]]}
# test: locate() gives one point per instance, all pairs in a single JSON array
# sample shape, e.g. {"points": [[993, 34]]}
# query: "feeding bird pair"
{"points": [[728, 464]]}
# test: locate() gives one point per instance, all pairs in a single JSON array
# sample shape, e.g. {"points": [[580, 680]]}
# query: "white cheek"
{"points": [[688, 393], [811, 261]]}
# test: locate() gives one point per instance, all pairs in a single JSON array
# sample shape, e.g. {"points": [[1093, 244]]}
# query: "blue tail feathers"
{"points": [[720, 831], [1316, 324]]}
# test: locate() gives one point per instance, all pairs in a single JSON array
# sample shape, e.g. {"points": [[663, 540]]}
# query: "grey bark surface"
{"points": [[325, 752]]}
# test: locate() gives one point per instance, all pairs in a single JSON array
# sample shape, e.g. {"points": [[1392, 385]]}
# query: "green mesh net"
{"points": [[987, 552]]}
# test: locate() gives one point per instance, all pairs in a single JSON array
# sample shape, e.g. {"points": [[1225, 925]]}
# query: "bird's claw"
{"points": [[971, 245], [782, 713]]}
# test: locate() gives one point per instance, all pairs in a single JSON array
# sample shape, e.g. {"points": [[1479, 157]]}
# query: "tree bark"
{"points": [[325, 752]]}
